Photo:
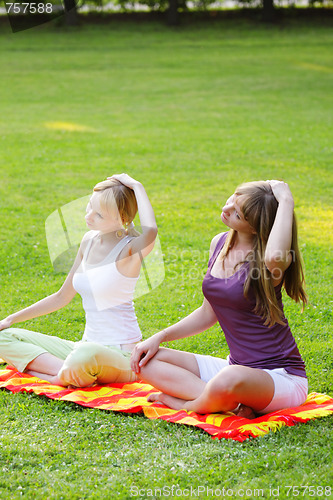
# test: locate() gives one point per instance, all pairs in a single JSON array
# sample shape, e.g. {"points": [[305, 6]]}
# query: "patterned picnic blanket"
{"points": [[133, 398]]}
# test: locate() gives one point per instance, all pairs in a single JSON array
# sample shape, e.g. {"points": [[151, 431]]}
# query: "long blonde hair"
{"points": [[259, 207], [113, 192]]}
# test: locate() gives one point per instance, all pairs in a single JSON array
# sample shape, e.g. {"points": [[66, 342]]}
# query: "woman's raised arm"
{"points": [[145, 242], [277, 254]]}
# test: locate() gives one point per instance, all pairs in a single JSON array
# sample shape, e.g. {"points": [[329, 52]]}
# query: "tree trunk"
{"points": [[268, 12], [172, 13], [71, 17]]}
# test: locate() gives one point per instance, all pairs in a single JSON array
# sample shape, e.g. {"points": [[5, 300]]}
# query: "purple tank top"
{"points": [[250, 342]]}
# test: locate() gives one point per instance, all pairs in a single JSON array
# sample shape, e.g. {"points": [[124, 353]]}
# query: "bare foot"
{"points": [[171, 401], [245, 412], [154, 397]]}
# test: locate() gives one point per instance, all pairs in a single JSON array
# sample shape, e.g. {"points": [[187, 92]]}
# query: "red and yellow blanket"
{"points": [[133, 398]]}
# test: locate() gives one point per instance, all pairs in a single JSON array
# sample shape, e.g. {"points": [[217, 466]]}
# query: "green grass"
{"points": [[191, 112]]}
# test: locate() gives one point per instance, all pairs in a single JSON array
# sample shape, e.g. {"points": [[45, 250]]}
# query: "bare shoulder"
{"points": [[86, 238], [214, 241]]}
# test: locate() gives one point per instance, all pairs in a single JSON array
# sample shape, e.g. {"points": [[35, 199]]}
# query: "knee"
{"points": [[161, 353], [229, 382], [80, 366], [90, 362], [152, 363]]}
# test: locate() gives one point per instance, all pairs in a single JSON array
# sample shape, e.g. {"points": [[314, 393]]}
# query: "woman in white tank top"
{"points": [[105, 272]]}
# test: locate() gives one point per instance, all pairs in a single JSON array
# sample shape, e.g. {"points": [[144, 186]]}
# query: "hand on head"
{"points": [[126, 180], [280, 190]]}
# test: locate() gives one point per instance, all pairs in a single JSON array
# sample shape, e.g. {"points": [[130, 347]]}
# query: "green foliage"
{"points": [[191, 113]]}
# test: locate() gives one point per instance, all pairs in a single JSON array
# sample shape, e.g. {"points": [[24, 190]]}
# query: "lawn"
{"points": [[191, 112]]}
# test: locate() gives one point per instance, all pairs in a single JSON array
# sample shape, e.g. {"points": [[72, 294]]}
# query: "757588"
{"points": [[29, 8]]}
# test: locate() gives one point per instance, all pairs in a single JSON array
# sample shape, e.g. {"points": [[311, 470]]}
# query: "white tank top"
{"points": [[107, 298]]}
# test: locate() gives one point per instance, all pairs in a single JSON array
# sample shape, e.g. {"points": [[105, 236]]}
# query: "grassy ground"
{"points": [[191, 112]]}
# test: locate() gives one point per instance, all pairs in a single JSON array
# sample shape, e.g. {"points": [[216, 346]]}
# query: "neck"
{"points": [[112, 237], [244, 240]]}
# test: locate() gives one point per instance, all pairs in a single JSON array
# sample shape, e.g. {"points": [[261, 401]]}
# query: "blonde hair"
{"points": [[259, 207], [115, 194]]}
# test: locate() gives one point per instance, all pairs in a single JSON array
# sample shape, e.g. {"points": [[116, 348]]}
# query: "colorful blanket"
{"points": [[133, 398]]}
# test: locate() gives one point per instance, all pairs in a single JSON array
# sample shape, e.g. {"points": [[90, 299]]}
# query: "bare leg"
{"points": [[251, 387], [53, 379], [46, 366], [175, 373], [46, 363]]}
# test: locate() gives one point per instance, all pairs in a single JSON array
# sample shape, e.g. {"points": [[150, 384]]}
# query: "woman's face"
{"points": [[101, 220], [232, 216]]}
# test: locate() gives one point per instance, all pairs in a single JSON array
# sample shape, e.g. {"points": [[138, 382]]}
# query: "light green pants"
{"points": [[84, 362]]}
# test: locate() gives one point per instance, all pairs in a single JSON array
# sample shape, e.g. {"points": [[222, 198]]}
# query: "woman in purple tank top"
{"points": [[248, 267]]}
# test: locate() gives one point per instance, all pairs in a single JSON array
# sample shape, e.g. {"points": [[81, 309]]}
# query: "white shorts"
{"points": [[289, 390]]}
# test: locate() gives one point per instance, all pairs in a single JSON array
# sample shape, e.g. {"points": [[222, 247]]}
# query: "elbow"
{"points": [[277, 261], [209, 314], [62, 299], [148, 239], [154, 231], [151, 235]]}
